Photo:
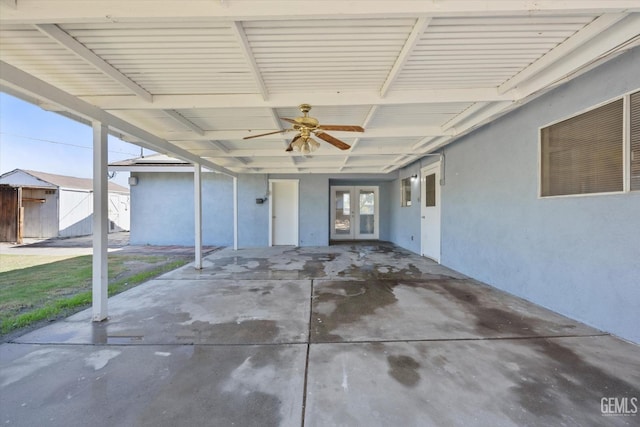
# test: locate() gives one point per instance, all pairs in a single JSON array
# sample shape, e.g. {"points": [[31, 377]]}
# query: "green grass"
{"points": [[48, 291]]}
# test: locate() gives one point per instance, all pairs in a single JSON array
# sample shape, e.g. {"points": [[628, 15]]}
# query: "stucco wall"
{"points": [[576, 255], [162, 209]]}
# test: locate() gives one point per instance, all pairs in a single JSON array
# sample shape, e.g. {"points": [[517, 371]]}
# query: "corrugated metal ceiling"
{"points": [[412, 79]]}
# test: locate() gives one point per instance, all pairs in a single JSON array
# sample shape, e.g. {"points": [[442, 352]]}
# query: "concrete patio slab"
{"points": [[355, 261], [524, 382], [379, 310], [192, 312], [346, 335], [155, 386]]}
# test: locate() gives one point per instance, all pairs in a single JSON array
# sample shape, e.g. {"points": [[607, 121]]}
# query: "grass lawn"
{"points": [[34, 288]]}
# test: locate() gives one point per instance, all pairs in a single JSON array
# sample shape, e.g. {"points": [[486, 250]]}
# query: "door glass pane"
{"points": [[367, 211], [430, 186], [343, 212]]}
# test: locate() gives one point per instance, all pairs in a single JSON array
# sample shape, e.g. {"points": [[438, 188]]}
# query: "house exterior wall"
{"points": [[575, 255], [162, 209]]}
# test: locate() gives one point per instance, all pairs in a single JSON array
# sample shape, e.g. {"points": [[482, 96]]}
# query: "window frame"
{"points": [[626, 147], [404, 203]]}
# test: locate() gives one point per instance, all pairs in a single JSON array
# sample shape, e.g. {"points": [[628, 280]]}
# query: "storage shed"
{"points": [[44, 205]]}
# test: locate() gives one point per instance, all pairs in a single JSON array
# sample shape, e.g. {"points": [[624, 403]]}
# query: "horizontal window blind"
{"points": [[635, 141], [583, 154]]}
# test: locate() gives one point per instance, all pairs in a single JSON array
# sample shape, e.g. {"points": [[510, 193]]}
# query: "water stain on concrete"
{"points": [[352, 300], [553, 375], [491, 321], [404, 369]]}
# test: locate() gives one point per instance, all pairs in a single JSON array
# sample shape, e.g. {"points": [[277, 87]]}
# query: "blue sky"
{"points": [[32, 138]]}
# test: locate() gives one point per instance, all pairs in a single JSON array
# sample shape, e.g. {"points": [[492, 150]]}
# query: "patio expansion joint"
{"points": [[308, 342], [527, 337], [86, 344], [306, 362]]}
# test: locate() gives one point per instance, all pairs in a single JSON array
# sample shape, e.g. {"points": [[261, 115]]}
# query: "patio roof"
{"points": [[191, 78]]}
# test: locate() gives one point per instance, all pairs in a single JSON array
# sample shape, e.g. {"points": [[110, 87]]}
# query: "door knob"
{"points": [[423, 217]]}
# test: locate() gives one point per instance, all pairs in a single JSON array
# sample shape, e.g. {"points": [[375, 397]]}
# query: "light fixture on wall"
{"points": [[414, 177]]}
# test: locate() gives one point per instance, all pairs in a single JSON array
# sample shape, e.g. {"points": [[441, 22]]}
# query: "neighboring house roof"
{"points": [[29, 178]]}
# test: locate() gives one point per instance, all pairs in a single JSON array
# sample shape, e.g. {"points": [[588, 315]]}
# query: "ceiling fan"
{"points": [[307, 126]]}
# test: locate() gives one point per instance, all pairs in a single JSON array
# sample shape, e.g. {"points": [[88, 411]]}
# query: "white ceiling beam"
{"points": [[278, 125], [13, 4], [483, 116], [489, 112], [184, 121], [587, 33], [60, 11], [423, 142], [464, 115], [386, 132], [605, 43], [309, 164], [329, 152], [32, 86], [367, 120], [57, 34], [293, 99], [219, 146], [434, 144], [411, 42], [241, 36], [240, 160]]}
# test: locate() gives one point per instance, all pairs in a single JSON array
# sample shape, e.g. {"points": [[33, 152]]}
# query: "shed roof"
{"points": [[20, 178]]}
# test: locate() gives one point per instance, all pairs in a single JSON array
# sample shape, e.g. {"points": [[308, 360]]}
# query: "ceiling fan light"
{"points": [[297, 145], [305, 148], [313, 144]]}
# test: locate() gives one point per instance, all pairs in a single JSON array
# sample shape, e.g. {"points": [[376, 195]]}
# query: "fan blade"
{"points": [[345, 128], [268, 133], [289, 120], [332, 140], [295, 138]]}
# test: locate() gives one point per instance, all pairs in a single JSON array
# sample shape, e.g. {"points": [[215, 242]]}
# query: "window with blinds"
{"points": [[584, 154], [635, 141]]}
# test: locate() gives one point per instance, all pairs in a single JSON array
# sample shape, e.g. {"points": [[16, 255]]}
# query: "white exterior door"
{"points": [[354, 213], [283, 207], [430, 211]]}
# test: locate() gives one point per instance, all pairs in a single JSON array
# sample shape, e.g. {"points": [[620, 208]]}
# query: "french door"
{"points": [[354, 213]]}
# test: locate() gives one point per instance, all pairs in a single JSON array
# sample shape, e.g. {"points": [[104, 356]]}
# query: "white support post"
{"points": [[235, 213], [100, 223], [197, 205]]}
